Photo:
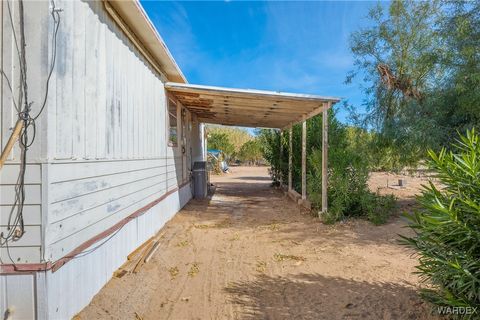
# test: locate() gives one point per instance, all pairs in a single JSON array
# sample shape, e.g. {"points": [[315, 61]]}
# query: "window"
{"points": [[172, 122]]}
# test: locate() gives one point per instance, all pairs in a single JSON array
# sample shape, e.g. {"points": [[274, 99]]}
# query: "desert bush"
{"points": [[447, 227], [348, 193], [269, 141]]}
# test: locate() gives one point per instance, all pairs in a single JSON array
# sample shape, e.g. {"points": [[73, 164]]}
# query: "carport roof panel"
{"points": [[247, 107]]}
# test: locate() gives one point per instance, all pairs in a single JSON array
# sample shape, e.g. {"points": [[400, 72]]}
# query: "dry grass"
{"points": [[235, 237], [183, 243], [203, 226], [173, 272], [194, 270], [222, 224], [261, 266], [279, 257]]}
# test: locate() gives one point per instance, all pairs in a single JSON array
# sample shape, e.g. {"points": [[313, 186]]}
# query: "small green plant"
{"points": [[378, 208], [447, 228]]}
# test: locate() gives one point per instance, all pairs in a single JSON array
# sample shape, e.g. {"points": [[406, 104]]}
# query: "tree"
{"points": [[421, 67], [396, 57], [236, 137], [251, 151], [220, 141]]}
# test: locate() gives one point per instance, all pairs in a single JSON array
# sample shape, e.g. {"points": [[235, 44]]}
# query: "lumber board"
{"points": [[150, 253], [290, 160], [11, 142], [304, 160], [325, 159]]}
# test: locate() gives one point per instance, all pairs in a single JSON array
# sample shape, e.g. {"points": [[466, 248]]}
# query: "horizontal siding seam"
{"points": [[107, 174], [25, 268], [108, 188], [103, 160], [106, 217], [104, 203]]}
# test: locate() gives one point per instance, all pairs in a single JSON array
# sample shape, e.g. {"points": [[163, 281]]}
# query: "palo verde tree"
{"points": [[419, 62]]}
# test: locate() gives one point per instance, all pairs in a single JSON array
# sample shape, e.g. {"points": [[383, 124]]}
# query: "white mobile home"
{"points": [[111, 155], [112, 132]]}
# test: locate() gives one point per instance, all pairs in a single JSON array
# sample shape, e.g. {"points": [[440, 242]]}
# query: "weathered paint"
{"points": [[101, 153]]}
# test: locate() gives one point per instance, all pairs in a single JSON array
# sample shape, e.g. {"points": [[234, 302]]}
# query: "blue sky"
{"points": [[283, 46]]}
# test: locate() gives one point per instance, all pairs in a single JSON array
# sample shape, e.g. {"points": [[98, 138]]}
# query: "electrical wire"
{"points": [[16, 228], [56, 20]]}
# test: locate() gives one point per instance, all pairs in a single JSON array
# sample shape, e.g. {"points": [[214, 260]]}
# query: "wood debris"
{"points": [[139, 257]]}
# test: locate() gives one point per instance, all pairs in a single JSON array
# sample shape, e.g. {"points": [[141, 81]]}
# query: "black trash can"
{"points": [[200, 179]]}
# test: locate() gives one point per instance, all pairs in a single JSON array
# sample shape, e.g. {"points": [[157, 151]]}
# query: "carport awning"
{"points": [[246, 107]]}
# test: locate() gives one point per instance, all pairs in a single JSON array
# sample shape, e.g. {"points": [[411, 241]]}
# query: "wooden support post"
{"points": [[326, 106], [304, 160], [11, 142], [280, 160], [290, 151]]}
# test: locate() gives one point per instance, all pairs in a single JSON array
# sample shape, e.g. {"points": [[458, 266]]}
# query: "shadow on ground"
{"points": [[313, 296], [255, 178], [250, 205]]}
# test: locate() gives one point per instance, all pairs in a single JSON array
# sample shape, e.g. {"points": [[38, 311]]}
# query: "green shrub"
{"points": [[447, 227], [348, 193], [378, 208]]}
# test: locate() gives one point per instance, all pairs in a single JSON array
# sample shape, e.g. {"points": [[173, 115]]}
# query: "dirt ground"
{"points": [[250, 253]]}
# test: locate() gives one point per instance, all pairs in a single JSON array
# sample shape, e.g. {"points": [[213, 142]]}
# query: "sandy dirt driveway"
{"points": [[250, 253]]}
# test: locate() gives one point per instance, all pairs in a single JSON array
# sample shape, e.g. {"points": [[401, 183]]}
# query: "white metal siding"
{"points": [[84, 276], [17, 295], [107, 102], [101, 154], [109, 154], [28, 248]]}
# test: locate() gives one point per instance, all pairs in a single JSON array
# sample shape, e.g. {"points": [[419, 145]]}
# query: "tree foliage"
{"points": [[221, 141], [448, 227], [420, 64], [250, 152]]}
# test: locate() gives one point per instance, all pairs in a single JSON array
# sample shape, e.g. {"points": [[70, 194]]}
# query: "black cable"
{"points": [[11, 90], [56, 21], [16, 229], [14, 33]]}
